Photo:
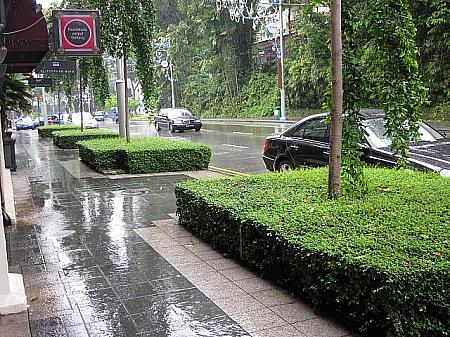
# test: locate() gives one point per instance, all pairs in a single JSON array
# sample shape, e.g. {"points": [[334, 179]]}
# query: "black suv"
{"points": [[307, 144]]}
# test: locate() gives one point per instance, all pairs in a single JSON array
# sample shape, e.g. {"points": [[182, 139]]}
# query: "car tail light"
{"points": [[266, 145]]}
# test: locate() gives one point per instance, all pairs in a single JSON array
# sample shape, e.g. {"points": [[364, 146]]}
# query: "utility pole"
{"points": [[121, 97], [44, 107], [282, 86], [334, 173]]}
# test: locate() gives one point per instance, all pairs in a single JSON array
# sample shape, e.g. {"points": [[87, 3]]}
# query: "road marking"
{"points": [[236, 146], [243, 133], [227, 171]]}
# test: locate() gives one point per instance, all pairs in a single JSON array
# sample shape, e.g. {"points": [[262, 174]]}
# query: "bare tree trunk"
{"points": [[334, 174]]}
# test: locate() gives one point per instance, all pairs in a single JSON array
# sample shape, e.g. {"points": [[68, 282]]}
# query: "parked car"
{"points": [[88, 121], [25, 123], [177, 119], [307, 144], [99, 116], [39, 121]]}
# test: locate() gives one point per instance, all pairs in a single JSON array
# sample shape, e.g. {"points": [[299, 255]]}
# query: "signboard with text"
{"points": [[56, 67], [40, 82], [76, 32]]}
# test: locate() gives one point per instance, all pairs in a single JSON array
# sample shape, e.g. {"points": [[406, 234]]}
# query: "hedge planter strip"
{"points": [[47, 130], [145, 155], [381, 263], [69, 139]]}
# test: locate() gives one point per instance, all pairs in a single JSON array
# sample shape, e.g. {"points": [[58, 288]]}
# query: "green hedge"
{"points": [[68, 139], [381, 263], [47, 130], [145, 155]]}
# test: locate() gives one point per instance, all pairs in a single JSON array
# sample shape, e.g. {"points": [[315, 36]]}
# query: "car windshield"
{"points": [[377, 133], [26, 120], [178, 113], [99, 113]]}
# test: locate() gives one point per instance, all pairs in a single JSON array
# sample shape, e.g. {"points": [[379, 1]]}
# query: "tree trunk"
{"points": [[334, 174]]}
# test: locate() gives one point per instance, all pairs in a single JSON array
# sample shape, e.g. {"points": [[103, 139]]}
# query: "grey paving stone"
{"points": [[321, 327], [274, 296], [281, 331], [51, 326], [237, 274], [15, 329], [256, 320], [238, 304], [222, 264], [294, 312], [255, 284]]}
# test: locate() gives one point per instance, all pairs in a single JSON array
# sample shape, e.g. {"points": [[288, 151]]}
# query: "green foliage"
{"points": [[381, 262], [132, 104], [257, 99], [308, 62], [145, 155], [440, 112], [46, 131], [67, 139], [15, 94], [111, 102]]}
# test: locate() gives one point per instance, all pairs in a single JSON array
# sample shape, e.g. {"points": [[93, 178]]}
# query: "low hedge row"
{"points": [[381, 263], [68, 139], [46, 131], [145, 155]]}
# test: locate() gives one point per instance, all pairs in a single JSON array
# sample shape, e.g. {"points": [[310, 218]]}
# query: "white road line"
{"points": [[236, 146], [243, 133]]}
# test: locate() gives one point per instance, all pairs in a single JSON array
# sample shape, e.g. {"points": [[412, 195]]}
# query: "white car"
{"points": [[89, 122]]}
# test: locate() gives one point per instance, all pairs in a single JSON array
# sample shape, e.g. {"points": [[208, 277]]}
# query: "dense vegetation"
{"points": [[380, 262], [144, 155], [212, 80], [68, 139]]}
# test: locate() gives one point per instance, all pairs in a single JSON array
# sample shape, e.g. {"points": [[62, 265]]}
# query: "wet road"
{"points": [[235, 146]]}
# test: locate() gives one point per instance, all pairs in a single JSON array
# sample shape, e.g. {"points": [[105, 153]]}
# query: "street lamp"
{"points": [[162, 58], [240, 11]]}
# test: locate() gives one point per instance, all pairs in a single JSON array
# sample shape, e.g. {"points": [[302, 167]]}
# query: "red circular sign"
{"points": [[77, 33]]}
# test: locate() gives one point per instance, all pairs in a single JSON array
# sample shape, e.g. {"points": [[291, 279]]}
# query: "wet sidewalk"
{"points": [[104, 256]]}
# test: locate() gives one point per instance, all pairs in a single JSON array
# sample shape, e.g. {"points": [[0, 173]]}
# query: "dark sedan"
{"points": [[177, 119], [307, 144]]}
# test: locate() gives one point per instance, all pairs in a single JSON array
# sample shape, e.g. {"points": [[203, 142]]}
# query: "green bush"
{"points": [[381, 263], [46, 131], [68, 139], [145, 155]]}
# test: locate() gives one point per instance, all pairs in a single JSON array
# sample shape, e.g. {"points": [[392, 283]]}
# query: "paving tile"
{"points": [[256, 320], [294, 312], [281, 331], [321, 327], [15, 329], [209, 255], [237, 274], [177, 260], [224, 263], [220, 290], [274, 296], [76, 331], [174, 283], [13, 318], [255, 284], [51, 326], [238, 304], [134, 290]]}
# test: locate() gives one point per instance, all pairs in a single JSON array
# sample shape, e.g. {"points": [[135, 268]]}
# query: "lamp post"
{"points": [[240, 11], [162, 59]]}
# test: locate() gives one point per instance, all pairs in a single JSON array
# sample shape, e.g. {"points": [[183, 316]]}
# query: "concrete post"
{"points": [[121, 97], [44, 107]]}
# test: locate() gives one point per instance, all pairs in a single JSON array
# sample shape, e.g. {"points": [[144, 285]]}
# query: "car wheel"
{"points": [[285, 166], [197, 129], [171, 128], [157, 127]]}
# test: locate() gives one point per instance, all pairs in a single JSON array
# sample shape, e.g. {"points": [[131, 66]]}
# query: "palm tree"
{"points": [[15, 95]]}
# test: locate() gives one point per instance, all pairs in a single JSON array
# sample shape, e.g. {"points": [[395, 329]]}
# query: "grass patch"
{"points": [[380, 263], [145, 155], [68, 139], [46, 131]]}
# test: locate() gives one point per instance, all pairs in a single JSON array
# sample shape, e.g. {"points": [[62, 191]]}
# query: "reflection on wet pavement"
{"points": [[86, 271]]}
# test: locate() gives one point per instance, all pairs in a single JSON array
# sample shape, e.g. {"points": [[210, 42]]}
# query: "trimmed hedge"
{"points": [[46, 131], [68, 139], [145, 155], [381, 263]]}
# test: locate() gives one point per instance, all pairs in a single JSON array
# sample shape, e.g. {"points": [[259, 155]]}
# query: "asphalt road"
{"points": [[236, 146]]}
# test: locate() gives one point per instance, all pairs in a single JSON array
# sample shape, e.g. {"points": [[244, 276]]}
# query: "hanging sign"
{"points": [[76, 32], [56, 67], [40, 82]]}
